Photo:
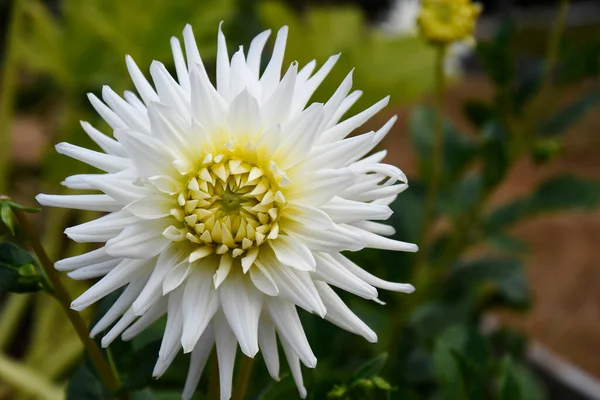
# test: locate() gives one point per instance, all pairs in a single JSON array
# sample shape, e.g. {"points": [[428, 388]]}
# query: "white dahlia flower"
{"points": [[230, 207], [402, 21]]}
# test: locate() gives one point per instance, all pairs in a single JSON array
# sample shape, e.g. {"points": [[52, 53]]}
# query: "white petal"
{"points": [[379, 242], [255, 51], [140, 82], [149, 156], [133, 118], [304, 93], [332, 272], [143, 239], [198, 362], [169, 91], [244, 115], [108, 145], [182, 73], [270, 78], [344, 211], [125, 272], [101, 229], [171, 341], [226, 349], [223, 68], [158, 309], [200, 303], [106, 113], [92, 202], [119, 306], [339, 314], [268, 345], [151, 207], [118, 328], [371, 279], [176, 276], [295, 368], [285, 317], [343, 129], [152, 292], [242, 304], [82, 260], [94, 270], [277, 107], [262, 279], [293, 253]]}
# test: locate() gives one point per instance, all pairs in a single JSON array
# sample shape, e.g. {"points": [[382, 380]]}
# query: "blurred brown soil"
{"points": [[564, 262]]}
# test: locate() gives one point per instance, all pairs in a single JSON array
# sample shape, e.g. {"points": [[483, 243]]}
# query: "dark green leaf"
{"points": [[497, 57], [569, 115], [458, 149], [528, 85], [494, 153], [6, 215], [18, 270], [490, 276], [463, 197], [285, 388], [12, 204], [371, 368], [85, 385], [478, 112], [141, 365], [507, 244], [461, 360], [566, 192], [509, 386], [431, 318]]}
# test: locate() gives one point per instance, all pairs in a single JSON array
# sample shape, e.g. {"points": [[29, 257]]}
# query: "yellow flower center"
{"points": [[447, 21], [229, 205]]}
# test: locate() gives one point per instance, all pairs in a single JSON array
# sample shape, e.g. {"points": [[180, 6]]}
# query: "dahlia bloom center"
{"points": [[228, 205]]}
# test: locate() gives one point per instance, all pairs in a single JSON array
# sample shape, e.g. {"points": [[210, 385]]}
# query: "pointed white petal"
{"points": [[267, 341], [226, 349], [92, 202], [198, 362], [293, 253]]}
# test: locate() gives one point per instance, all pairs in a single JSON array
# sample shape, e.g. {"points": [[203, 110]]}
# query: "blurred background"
{"points": [[508, 293]]}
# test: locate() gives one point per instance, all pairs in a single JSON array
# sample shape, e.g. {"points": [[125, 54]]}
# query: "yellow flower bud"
{"points": [[447, 21]]}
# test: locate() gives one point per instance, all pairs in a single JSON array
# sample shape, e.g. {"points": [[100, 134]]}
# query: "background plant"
{"points": [[430, 343]]}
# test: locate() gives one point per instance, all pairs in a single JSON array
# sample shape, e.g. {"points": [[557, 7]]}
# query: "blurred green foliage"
{"points": [[430, 343]]}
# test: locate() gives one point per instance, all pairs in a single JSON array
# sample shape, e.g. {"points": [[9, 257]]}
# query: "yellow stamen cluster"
{"points": [[447, 21], [228, 205]]}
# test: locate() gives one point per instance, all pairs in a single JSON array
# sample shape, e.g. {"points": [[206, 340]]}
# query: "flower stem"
{"points": [[437, 156], [241, 384], [59, 292]]}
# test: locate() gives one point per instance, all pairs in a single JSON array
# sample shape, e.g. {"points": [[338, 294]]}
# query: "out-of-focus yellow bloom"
{"points": [[447, 21]]}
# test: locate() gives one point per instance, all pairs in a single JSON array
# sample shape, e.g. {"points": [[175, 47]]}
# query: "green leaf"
{"points": [[458, 149], [566, 192], [141, 364], [478, 112], [19, 272], [7, 217], [508, 244], [461, 358], [497, 57], [569, 115], [503, 277], [285, 388], [494, 153], [509, 386], [371, 368], [84, 384], [12, 204]]}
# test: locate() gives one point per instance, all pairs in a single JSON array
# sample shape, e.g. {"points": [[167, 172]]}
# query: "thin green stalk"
{"points": [[437, 156], [9, 82], [554, 41], [60, 293], [241, 384], [12, 313], [28, 381]]}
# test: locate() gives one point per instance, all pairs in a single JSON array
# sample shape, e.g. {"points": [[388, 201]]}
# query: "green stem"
{"points": [[241, 384], [60, 293], [12, 313], [554, 41], [437, 157], [9, 78]]}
